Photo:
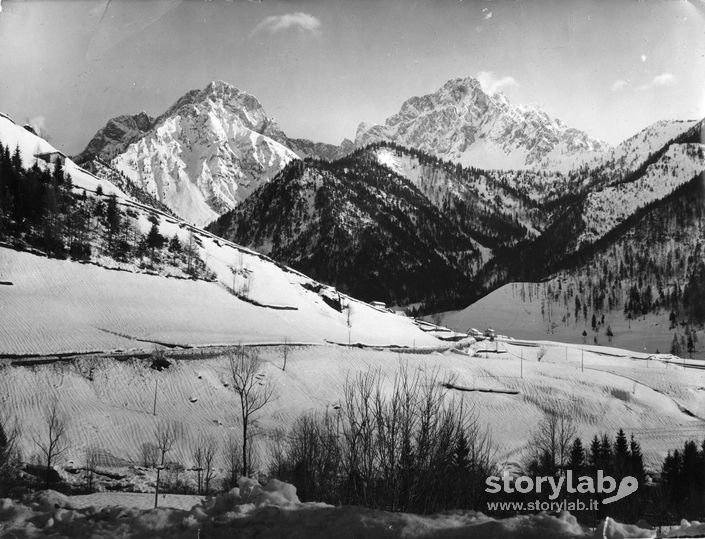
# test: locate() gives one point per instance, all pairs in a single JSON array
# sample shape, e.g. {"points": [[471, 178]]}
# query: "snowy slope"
{"points": [[605, 209], [206, 153], [55, 306], [461, 123], [14, 136], [631, 153]]}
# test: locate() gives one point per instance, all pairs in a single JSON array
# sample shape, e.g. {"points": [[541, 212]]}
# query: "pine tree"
{"points": [[154, 239], [605, 453], [594, 457], [577, 457], [113, 218], [636, 461], [621, 454]]}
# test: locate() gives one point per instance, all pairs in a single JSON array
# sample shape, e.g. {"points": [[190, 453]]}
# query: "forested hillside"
{"points": [[355, 224]]}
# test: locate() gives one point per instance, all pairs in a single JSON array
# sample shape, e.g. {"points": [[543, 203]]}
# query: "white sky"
{"points": [[321, 67]]}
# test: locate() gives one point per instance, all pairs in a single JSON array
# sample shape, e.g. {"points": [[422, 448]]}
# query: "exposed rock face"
{"points": [[461, 123]]}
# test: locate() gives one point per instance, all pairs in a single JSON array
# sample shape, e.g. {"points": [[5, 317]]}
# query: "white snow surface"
{"points": [[617, 389], [274, 510], [56, 306]]}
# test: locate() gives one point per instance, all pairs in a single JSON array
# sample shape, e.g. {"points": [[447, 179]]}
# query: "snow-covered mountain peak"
{"points": [[462, 123], [207, 152]]}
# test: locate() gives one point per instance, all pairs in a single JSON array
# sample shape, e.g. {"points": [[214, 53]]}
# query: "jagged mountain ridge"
{"points": [[204, 154], [462, 123]]}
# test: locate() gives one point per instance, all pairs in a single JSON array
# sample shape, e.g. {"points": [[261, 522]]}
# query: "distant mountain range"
{"points": [[214, 147], [456, 194]]}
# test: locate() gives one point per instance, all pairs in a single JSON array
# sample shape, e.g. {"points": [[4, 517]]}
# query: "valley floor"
{"points": [[109, 403], [522, 311]]}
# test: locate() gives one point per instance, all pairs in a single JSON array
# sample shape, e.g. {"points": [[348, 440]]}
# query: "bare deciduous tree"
{"points": [[233, 461], [149, 455], [253, 391], [203, 454], [550, 444], [166, 435], [405, 446], [52, 442], [92, 455]]}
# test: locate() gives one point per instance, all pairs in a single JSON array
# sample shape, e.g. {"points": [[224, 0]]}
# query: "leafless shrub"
{"points": [[541, 353], [410, 448], [232, 453], [52, 442], [92, 456], [149, 455], [549, 447], [203, 454]]}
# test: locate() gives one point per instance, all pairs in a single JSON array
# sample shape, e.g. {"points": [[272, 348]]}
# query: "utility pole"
{"points": [[154, 408], [156, 488], [521, 368], [286, 352]]}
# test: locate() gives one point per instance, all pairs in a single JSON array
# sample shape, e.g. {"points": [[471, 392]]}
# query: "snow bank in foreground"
{"points": [[275, 511]]}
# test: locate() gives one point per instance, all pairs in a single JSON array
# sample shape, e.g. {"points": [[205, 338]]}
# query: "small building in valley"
{"points": [[51, 158]]}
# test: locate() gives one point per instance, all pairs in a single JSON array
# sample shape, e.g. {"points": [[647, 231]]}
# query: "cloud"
{"points": [[487, 12], [491, 83], [665, 79], [643, 57], [39, 124], [618, 85], [0, 6], [303, 22], [659, 81]]}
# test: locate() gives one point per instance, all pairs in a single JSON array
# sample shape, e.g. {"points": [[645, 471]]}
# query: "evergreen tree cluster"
{"points": [[41, 209], [683, 481]]}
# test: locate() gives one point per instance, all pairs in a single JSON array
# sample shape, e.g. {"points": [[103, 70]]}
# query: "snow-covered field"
{"points": [[110, 407], [274, 511]]}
